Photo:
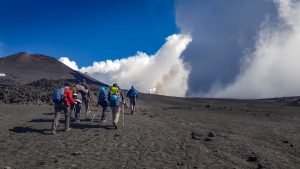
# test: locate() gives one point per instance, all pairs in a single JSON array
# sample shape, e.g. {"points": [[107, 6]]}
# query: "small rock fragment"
{"points": [[285, 141], [210, 134], [207, 106], [207, 139], [259, 166], [196, 135], [76, 153], [252, 157]]}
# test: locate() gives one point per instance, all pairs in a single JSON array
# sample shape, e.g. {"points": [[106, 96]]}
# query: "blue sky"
{"points": [[85, 30]]}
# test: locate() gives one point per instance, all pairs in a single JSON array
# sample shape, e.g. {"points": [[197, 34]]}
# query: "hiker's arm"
{"points": [[70, 98]]}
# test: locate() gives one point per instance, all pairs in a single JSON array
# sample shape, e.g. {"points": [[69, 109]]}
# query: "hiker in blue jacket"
{"points": [[103, 102], [133, 95]]}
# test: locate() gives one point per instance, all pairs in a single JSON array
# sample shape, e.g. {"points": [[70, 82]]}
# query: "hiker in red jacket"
{"points": [[64, 105]]}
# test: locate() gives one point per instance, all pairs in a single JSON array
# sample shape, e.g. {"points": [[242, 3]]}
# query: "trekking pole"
{"points": [[123, 115]]}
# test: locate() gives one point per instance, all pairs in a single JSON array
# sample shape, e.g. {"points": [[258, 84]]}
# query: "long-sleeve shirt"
{"points": [[68, 97]]}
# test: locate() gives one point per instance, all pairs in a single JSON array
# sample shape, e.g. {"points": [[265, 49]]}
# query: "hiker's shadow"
{"points": [[28, 130], [41, 120], [87, 126]]}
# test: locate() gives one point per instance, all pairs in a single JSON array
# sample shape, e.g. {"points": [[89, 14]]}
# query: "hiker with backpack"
{"points": [[78, 99], [116, 101], [132, 94], [63, 101], [103, 102], [85, 93]]}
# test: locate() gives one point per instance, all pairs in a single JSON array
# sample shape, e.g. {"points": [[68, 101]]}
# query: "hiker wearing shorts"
{"points": [[116, 100], [63, 105], [132, 94]]}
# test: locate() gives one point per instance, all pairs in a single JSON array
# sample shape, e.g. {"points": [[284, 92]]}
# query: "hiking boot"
{"points": [[69, 129], [115, 125], [103, 121], [53, 132]]}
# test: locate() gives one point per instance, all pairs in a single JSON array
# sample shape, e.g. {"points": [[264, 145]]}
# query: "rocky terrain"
{"points": [[166, 132]]}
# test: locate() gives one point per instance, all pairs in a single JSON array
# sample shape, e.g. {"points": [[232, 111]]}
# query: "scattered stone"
{"points": [[207, 106], [210, 134], [76, 153], [291, 145], [151, 116], [252, 157], [259, 166], [196, 135], [57, 160], [207, 139], [41, 163], [116, 135], [285, 141], [180, 163], [7, 167]]}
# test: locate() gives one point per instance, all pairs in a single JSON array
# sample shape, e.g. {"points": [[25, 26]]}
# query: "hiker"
{"points": [[116, 100], [103, 102], [63, 100], [78, 99], [85, 93], [133, 95]]}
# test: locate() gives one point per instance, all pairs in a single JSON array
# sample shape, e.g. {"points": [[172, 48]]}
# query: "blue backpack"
{"points": [[103, 94], [114, 99], [58, 95], [132, 93]]}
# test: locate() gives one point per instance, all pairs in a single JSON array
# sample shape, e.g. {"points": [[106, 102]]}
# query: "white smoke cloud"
{"points": [[66, 61], [272, 70], [162, 73]]}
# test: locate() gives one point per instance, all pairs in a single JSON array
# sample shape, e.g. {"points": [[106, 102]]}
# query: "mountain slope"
{"points": [[24, 68]]}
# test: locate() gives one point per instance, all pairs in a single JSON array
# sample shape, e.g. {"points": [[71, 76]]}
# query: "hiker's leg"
{"points": [[104, 113], [67, 112], [86, 105], [78, 109], [57, 110], [117, 115]]}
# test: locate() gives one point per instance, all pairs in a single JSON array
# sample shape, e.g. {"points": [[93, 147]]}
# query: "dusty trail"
{"points": [[158, 136]]}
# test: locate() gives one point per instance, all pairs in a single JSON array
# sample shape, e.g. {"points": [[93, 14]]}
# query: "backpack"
{"points": [[113, 101], [58, 95], [103, 94], [132, 93], [115, 90]]}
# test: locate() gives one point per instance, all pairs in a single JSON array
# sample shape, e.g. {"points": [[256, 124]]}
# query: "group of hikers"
{"points": [[70, 98]]}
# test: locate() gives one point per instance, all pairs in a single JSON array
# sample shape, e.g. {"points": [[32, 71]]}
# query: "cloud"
{"points": [[272, 70], [222, 32], [162, 73], [66, 61]]}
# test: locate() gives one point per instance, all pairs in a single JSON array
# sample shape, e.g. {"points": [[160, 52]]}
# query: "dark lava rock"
{"points": [[259, 166], [116, 135], [76, 153], [291, 145], [285, 141], [207, 139], [210, 134], [207, 106], [180, 163], [196, 136], [252, 157]]}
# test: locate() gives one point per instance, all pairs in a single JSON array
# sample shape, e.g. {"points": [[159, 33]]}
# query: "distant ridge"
{"points": [[21, 68]]}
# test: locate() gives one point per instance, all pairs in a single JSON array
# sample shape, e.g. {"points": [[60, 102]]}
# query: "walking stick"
{"points": [[123, 115]]}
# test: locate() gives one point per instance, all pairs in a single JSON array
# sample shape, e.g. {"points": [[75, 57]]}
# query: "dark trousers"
{"points": [[86, 104], [104, 105], [59, 107], [77, 110]]}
